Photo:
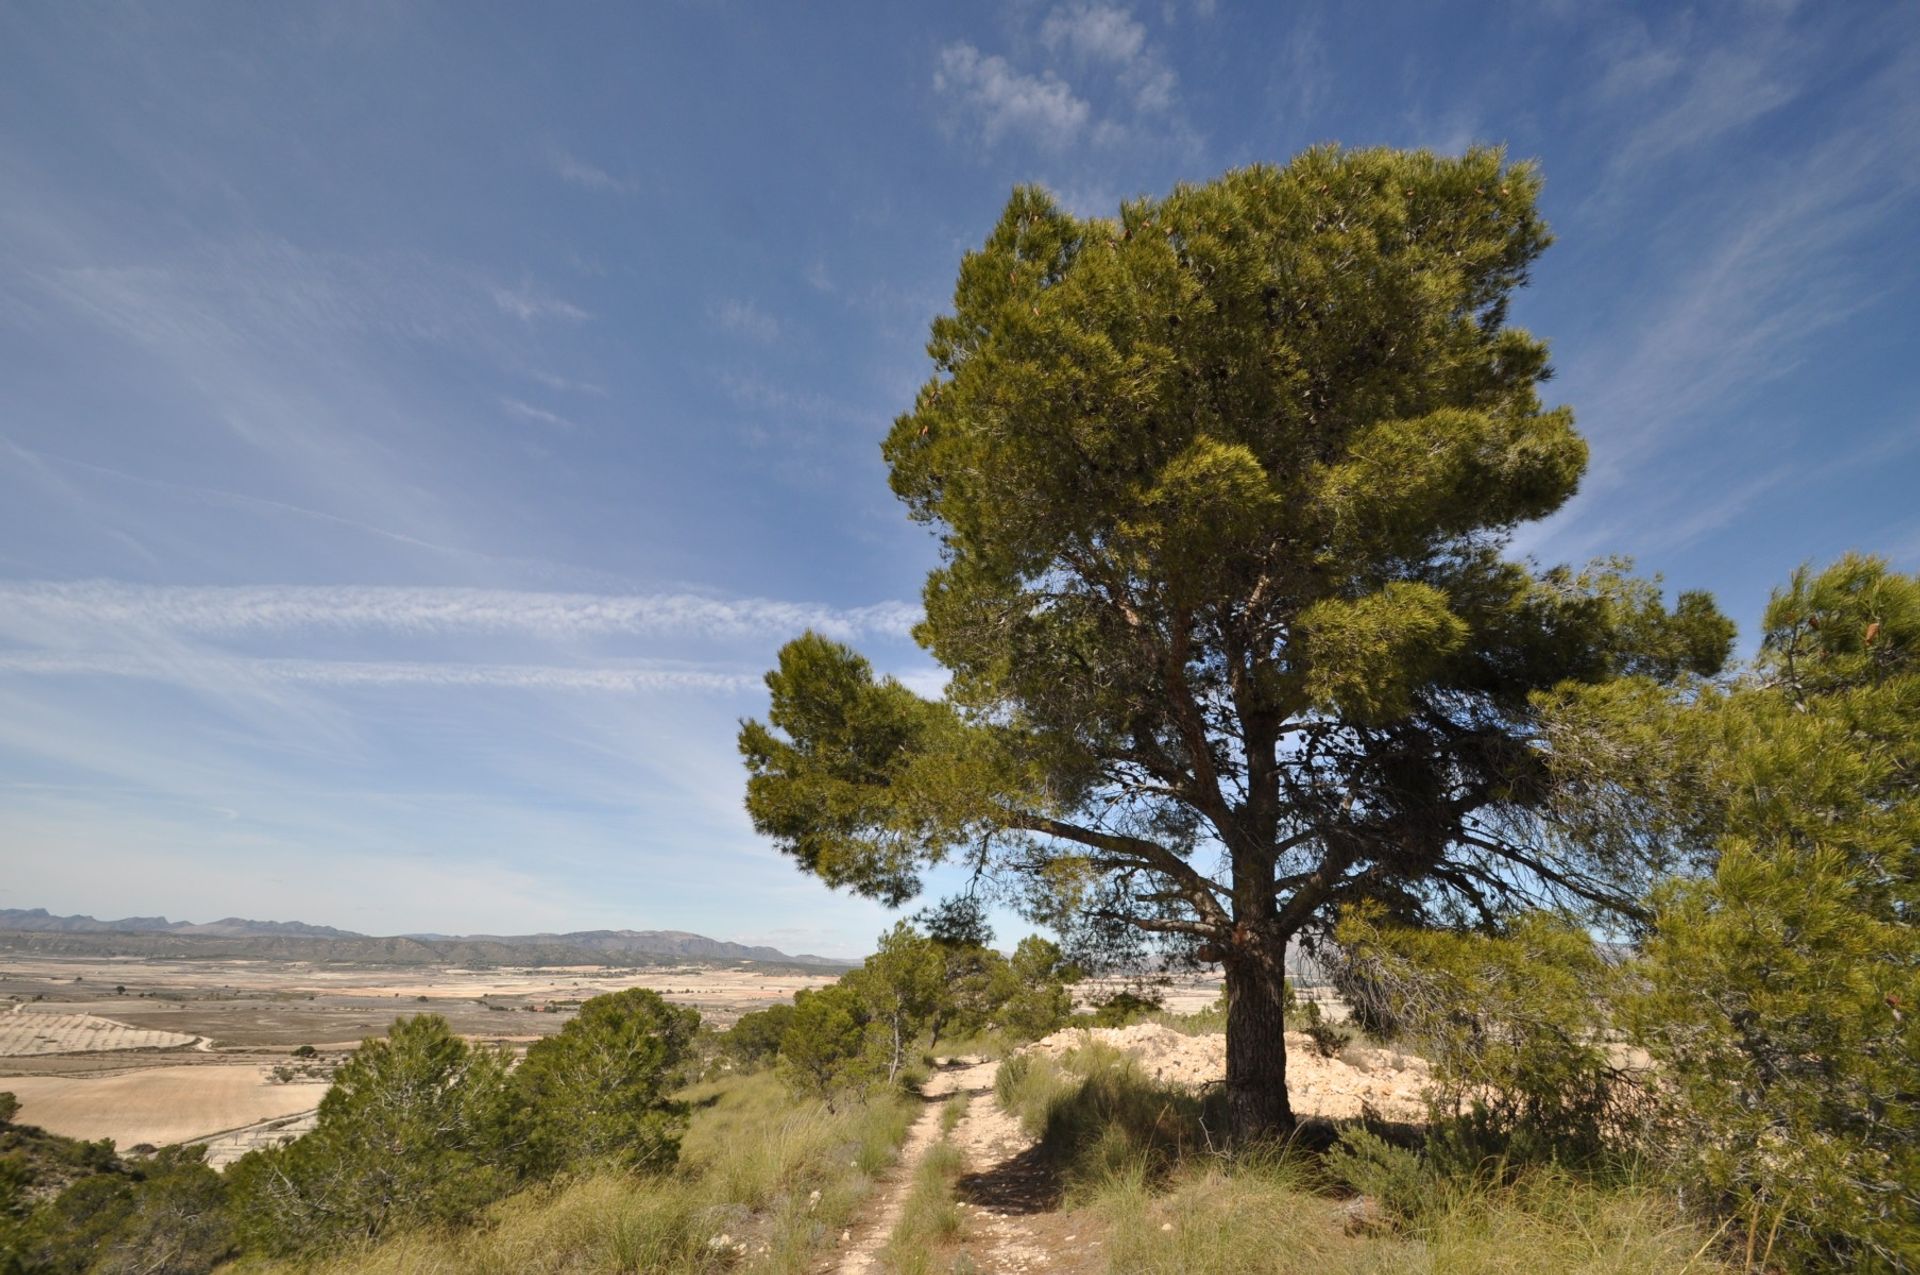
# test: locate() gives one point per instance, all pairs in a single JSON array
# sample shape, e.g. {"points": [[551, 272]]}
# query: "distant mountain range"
{"points": [[42, 921], [37, 930]]}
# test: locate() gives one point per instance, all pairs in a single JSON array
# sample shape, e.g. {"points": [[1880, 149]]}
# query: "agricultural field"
{"points": [[147, 1051], [154, 1106], [24, 1035]]}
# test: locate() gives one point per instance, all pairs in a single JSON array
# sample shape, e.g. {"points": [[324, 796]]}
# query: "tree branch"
{"points": [[1147, 854], [1592, 894]]}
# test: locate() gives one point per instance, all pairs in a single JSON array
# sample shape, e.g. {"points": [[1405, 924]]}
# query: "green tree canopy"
{"points": [[412, 1131], [166, 1215], [1222, 486], [1037, 998], [755, 1039], [973, 975], [1778, 986], [599, 1089], [824, 1051], [902, 987]]}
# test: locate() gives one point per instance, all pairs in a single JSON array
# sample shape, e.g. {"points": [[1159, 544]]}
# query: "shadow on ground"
{"points": [[1025, 1184]]}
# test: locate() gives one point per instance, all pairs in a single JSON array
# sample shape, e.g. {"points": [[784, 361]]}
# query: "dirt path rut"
{"points": [[1008, 1195], [970, 1076]]}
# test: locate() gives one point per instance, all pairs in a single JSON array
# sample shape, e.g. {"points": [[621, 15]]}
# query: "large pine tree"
{"points": [[1222, 486]]}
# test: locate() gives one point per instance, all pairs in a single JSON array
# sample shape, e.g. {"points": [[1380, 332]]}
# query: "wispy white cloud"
{"points": [[43, 609], [1635, 63], [756, 392], [1751, 270], [1730, 88], [253, 293], [744, 318], [567, 385], [1303, 72], [1769, 278], [1101, 31], [45, 467], [349, 673], [1109, 34], [1122, 99], [539, 415], [527, 304], [1002, 101], [575, 171]]}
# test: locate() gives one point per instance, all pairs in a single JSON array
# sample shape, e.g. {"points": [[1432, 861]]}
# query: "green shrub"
{"points": [[1036, 999], [1397, 1178], [414, 1130], [1516, 1026], [598, 1090], [754, 1041], [824, 1053], [1777, 990], [167, 1215], [781, 1177], [1123, 1009], [1328, 1037]]}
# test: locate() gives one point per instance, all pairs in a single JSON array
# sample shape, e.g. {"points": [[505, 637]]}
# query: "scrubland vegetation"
{"points": [[1146, 1164], [630, 1141], [763, 1182]]}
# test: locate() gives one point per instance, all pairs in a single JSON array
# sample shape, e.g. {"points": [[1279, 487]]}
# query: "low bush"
{"points": [[1122, 1009], [1327, 1036], [1098, 1118], [1399, 1180], [1516, 1025], [166, 1215]]}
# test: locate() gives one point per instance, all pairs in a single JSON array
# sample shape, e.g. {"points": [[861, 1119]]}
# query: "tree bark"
{"points": [[1257, 1103]]}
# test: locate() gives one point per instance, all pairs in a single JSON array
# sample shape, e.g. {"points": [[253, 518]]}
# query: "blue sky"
{"points": [[420, 425]]}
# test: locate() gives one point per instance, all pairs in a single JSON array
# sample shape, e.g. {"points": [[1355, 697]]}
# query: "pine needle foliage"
{"points": [[599, 1090], [1222, 486], [1778, 986], [413, 1131]]}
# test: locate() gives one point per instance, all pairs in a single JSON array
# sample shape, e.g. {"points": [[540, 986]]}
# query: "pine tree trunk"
{"points": [[1257, 1104]]}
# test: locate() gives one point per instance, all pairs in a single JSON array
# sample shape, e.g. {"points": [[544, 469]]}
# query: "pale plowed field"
{"points": [[157, 1105], [25, 1035]]}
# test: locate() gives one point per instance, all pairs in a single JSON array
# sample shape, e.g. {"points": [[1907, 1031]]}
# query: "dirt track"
{"points": [[1010, 1197], [967, 1076]]}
